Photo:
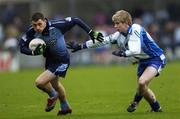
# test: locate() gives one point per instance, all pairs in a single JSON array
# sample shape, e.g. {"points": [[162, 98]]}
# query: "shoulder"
{"points": [[114, 35], [135, 30], [30, 31], [28, 34], [117, 33], [136, 27], [55, 22], [60, 21]]}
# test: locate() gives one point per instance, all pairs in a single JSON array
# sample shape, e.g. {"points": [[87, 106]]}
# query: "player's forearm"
{"points": [[74, 46], [128, 53], [90, 44], [82, 24], [26, 51], [134, 49]]}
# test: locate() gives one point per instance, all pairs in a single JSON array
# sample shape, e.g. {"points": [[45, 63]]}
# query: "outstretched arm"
{"points": [[94, 35], [74, 46], [69, 22], [111, 39]]}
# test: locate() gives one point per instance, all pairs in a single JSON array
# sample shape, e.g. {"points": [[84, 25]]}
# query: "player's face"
{"points": [[39, 25], [121, 27]]}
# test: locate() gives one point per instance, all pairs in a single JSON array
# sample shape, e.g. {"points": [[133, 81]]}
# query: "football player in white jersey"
{"points": [[134, 43]]}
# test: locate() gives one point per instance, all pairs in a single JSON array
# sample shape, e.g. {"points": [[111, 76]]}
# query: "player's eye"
{"points": [[116, 23], [39, 24], [33, 25]]}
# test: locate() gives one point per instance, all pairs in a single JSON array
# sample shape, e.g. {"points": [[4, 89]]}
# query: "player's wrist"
{"points": [[83, 46], [90, 32]]}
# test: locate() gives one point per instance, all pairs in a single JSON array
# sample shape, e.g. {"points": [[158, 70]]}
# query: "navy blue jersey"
{"points": [[53, 35]]}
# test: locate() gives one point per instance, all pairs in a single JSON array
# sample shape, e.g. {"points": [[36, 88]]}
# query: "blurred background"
{"points": [[161, 18]]}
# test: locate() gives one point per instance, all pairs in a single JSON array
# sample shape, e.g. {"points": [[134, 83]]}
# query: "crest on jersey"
{"points": [[68, 18]]}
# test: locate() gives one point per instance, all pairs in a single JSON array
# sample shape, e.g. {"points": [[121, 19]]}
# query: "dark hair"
{"points": [[36, 16]]}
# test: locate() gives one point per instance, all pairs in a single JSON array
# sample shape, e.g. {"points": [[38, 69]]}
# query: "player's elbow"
{"points": [[76, 20], [24, 51], [21, 50]]}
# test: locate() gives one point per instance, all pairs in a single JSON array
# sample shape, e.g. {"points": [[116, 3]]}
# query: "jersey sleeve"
{"points": [[68, 23], [24, 42], [111, 39]]}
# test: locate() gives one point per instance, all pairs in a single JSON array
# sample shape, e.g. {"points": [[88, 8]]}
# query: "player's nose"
{"points": [[38, 29], [115, 25]]}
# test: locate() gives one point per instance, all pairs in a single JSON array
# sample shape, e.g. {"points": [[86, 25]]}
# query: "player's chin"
{"points": [[118, 30], [39, 31]]}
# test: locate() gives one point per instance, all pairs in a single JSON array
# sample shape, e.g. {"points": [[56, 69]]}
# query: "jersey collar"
{"points": [[46, 30], [129, 31]]}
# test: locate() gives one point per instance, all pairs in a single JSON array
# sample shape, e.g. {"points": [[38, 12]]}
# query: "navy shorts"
{"points": [[57, 68], [156, 62]]}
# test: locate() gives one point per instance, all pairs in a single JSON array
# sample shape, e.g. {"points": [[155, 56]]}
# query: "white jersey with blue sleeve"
{"points": [[111, 39], [137, 43], [141, 45]]}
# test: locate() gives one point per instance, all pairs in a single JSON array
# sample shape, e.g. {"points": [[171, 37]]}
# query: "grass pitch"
{"points": [[94, 92]]}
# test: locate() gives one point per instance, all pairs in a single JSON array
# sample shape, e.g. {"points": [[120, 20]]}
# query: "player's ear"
{"points": [[44, 20]]}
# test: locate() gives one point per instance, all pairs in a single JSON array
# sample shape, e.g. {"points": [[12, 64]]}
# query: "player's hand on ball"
{"points": [[74, 46], [39, 50], [96, 36]]}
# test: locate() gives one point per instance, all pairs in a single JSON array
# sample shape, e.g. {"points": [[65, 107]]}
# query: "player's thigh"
{"points": [[148, 74], [45, 77]]}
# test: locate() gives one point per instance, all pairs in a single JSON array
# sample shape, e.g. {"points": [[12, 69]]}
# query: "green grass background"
{"points": [[94, 92]]}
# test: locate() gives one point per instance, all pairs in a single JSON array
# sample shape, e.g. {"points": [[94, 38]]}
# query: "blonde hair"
{"points": [[122, 16]]}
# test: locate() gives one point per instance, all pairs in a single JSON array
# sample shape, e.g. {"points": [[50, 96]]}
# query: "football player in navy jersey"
{"points": [[134, 43], [56, 54]]}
